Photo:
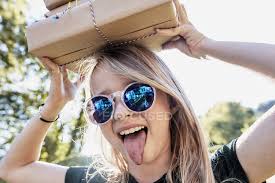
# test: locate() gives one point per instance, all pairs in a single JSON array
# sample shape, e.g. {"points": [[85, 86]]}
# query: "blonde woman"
{"points": [[146, 118]]}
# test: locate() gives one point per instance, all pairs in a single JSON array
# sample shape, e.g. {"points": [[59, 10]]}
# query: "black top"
{"points": [[224, 161]]}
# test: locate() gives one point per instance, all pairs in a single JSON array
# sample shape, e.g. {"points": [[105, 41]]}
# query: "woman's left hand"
{"points": [[186, 38]]}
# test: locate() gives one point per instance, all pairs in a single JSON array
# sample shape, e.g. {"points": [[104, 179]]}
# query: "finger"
{"points": [[65, 73], [79, 81], [44, 63], [180, 30], [49, 65], [186, 29], [183, 47], [168, 45], [175, 38], [168, 32], [173, 43]]}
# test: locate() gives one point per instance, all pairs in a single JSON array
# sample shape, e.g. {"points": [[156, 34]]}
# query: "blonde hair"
{"points": [[190, 158]]}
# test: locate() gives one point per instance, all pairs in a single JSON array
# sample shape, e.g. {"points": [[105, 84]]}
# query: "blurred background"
{"points": [[226, 98]]}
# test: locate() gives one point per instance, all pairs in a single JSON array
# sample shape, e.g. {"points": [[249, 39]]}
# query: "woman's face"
{"points": [[156, 120]]}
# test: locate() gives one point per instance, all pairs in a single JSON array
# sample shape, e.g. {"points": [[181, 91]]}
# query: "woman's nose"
{"points": [[120, 110]]}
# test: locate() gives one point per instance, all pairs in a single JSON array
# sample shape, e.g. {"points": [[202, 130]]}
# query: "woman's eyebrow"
{"points": [[104, 92], [108, 91]]}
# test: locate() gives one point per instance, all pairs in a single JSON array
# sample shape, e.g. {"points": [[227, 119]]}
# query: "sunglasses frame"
{"points": [[111, 97]]}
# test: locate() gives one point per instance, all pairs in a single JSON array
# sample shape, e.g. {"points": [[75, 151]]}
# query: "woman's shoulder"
{"points": [[226, 165]]}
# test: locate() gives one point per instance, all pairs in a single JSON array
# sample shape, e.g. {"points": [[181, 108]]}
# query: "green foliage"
{"points": [[23, 84], [12, 40], [77, 161], [226, 121], [55, 149], [213, 148], [13, 104]]}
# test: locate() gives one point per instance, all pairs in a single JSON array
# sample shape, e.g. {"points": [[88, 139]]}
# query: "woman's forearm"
{"points": [[27, 145], [259, 57]]}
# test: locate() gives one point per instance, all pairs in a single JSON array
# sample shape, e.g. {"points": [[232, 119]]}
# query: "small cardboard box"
{"points": [[75, 33], [52, 4]]}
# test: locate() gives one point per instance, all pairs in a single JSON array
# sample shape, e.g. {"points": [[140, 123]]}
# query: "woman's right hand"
{"points": [[62, 90]]}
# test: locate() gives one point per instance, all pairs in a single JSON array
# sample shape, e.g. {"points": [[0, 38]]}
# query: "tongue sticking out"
{"points": [[134, 143]]}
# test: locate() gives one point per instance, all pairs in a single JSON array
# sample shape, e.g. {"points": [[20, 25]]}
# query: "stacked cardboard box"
{"points": [[75, 30]]}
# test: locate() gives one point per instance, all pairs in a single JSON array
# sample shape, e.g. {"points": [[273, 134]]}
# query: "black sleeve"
{"points": [[77, 174], [226, 166]]}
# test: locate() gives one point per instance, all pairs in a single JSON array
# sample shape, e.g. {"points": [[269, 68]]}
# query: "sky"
{"points": [[212, 81]]}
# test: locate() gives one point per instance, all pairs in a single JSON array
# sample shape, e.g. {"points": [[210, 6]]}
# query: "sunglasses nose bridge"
{"points": [[120, 110], [115, 94]]}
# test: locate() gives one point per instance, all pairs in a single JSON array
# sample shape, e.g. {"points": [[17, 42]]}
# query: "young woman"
{"points": [[148, 121]]}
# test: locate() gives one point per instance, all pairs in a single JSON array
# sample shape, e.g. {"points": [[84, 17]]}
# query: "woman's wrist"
{"points": [[206, 45], [50, 110]]}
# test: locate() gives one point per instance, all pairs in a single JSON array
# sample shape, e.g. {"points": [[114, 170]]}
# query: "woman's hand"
{"points": [[186, 38], [62, 90]]}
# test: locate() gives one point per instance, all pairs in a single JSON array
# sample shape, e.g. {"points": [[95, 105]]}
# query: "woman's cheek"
{"points": [[158, 137], [108, 133]]}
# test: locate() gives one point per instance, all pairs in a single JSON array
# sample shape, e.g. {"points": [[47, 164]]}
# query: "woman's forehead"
{"points": [[108, 89], [104, 81]]}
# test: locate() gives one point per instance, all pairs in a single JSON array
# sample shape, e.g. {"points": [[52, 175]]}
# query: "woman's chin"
{"points": [[148, 157]]}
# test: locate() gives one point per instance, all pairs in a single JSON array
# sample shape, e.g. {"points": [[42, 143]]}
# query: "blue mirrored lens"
{"points": [[103, 109], [139, 97]]}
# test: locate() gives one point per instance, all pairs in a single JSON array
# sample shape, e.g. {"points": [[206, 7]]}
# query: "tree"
{"points": [[23, 89], [13, 67], [225, 121]]}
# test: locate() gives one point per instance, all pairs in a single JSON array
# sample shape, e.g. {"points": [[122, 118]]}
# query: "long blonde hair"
{"points": [[190, 158]]}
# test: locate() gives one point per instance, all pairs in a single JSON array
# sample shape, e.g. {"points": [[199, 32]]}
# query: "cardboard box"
{"points": [[64, 8], [52, 4], [73, 35]]}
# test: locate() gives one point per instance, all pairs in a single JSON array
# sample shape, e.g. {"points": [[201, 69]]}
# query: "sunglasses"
{"points": [[136, 97]]}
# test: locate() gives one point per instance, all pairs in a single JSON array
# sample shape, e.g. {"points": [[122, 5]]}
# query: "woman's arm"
{"points": [[259, 57], [21, 164], [256, 147]]}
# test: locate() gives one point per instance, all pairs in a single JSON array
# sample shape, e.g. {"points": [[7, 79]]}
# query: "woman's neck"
{"points": [[152, 171]]}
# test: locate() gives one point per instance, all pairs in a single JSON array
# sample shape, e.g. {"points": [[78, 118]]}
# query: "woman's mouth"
{"points": [[131, 131], [133, 141]]}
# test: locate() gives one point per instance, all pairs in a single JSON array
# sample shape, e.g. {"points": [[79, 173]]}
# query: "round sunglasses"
{"points": [[136, 97]]}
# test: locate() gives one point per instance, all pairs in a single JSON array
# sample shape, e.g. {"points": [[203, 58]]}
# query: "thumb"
{"points": [[169, 45], [79, 81]]}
